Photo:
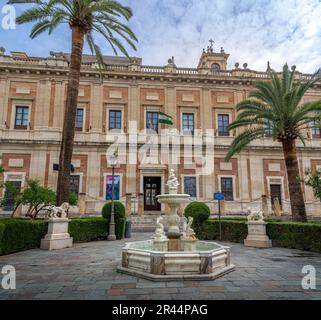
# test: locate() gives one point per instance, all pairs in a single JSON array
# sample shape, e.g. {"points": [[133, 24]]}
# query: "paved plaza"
{"points": [[88, 271]]}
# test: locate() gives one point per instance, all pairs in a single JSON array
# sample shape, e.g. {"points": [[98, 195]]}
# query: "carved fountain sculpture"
{"points": [[175, 254]]}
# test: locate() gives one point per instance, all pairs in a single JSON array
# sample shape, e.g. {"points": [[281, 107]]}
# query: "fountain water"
{"points": [[176, 254]]}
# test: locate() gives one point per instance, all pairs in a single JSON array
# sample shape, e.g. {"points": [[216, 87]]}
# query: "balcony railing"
{"points": [[51, 62]]}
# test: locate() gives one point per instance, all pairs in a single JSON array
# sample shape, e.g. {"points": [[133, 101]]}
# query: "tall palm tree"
{"points": [[85, 18], [277, 105]]}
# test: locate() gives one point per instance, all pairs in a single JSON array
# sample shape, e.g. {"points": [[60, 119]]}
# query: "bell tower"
{"points": [[212, 62]]}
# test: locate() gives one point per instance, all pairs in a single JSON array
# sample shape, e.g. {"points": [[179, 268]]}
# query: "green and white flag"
{"points": [[165, 118]]}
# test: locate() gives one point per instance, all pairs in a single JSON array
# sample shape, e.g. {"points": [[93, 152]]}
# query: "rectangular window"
{"points": [[109, 184], [188, 123], [190, 186], [316, 132], [223, 122], [152, 120], [114, 119], [22, 118], [268, 128], [80, 119], [227, 188], [74, 183]]}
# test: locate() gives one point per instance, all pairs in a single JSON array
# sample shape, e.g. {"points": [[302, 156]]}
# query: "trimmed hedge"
{"points": [[293, 235], [120, 217], [21, 234], [24, 234], [88, 229]]}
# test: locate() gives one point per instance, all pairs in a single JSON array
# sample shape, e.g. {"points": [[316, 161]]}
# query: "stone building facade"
{"points": [[32, 100]]}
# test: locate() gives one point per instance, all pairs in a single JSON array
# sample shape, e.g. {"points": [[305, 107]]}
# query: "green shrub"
{"points": [[232, 230], [294, 235], [21, 234], [88, 229], [73, 198], [120, 217], [24, 234], [199, 211]]}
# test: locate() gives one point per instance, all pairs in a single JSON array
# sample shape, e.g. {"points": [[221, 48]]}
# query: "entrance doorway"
{"points": [[276, 193], [9, 197], [152, 188]]}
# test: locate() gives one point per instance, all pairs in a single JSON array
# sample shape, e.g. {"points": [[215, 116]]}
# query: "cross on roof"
{"points": [[211, 41]]}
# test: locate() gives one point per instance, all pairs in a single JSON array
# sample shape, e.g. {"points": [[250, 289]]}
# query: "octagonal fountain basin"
{"points": [[207, 261]]}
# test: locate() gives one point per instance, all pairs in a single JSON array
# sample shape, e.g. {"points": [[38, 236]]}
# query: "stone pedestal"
{"points": [[140, 210], [188, 244], [257, 235], [128, 204], [82, 203], [174, 245], [160, 245], [57, 236]]}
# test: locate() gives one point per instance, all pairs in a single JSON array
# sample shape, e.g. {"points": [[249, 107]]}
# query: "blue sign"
{"points": [[219, 196]]}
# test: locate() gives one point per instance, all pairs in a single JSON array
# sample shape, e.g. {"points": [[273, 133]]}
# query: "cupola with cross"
{"points": [[212, 62]]}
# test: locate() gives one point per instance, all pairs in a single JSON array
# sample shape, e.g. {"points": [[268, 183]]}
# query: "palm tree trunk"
{"points": [[68, 133], [295, 190]]}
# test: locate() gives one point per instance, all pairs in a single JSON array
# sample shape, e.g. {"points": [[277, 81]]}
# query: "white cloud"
{"points": [[252, 31]]}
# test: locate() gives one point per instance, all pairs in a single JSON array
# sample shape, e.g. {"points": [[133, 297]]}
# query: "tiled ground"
{"points": [[88, 271]]}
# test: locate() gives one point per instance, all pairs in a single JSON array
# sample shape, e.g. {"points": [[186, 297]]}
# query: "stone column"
{"points": [[128, 204], [82, 203], [141, 204]]}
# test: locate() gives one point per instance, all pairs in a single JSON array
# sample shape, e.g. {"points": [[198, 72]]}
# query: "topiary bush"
{"points": [[120, 217], [199, 211]]}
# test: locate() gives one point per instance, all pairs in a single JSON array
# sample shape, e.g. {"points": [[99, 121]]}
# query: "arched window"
{"points": [[216, 68]]}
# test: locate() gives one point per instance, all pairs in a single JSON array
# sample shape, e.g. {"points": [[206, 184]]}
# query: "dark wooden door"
{"points": [[152, 188], [9, 204], [276, 193]]}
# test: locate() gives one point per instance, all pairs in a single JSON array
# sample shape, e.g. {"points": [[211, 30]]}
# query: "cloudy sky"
{"points": [[252, 31]]}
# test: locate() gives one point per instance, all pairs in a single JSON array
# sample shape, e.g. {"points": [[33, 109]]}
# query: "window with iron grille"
{"points": [[227, 188], [74, 183], [223, 122], [22, 117], [152, 120], [188, 123], [114, 119], [268, 126], [190, 186], [80, 119], [316, 132]]}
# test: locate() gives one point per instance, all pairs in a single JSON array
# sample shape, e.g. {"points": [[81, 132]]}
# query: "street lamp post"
{"points": [[111, 233]]}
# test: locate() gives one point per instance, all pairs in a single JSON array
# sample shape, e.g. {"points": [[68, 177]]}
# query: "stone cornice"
{"points": [[237, 77]]}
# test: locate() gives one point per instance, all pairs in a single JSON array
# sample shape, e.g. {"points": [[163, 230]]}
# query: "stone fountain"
{"points": [[175, 254]]}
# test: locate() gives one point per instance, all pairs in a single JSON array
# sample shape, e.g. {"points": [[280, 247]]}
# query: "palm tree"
{"points": [[84, 17], [277, 105]]}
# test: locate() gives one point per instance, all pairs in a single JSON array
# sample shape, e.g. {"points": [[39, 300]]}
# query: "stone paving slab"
{"points": [[88, 271]]}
